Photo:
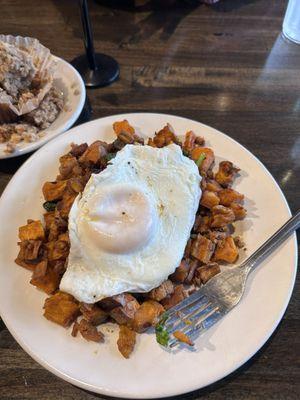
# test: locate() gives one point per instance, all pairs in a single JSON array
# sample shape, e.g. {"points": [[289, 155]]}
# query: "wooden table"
{"points": [[226, 66]]}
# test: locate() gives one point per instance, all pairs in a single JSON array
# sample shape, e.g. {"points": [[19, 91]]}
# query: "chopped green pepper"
{"points": [[49, 205], [200, 160]]}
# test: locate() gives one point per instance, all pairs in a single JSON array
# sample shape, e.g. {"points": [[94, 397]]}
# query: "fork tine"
{"points": [[187, 302], [199, 325], [186, 309]]}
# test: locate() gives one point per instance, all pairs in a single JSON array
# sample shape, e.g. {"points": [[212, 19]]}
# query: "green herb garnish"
{"points": [[200, 160], [110, 156], [162, 335], [49, 205]]}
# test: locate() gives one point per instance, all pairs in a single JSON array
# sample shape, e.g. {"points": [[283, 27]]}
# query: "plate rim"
{"points": [[124, 394], [64, 127]]}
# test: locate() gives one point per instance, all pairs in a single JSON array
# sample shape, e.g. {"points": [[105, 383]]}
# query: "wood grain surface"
{"points": [[226, 66]]}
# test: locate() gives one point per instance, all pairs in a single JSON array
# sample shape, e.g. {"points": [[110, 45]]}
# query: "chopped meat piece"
{"points": [[226, 250], [203, 184], [213, 186], [239, 242], [192, 268], [54, 190], [238, 210], [93, 314], [57, 226], [175, 298], [29, 249], [201, 224], [187, 249], [181, 272], [109, 303], [61, 308], [209, 199], [215, 236], [67, 164], [165, 136], [202, 249], [32, 231], [93, 154], [45, 278], [182, 337], [78, 149], [200, 141], [75, 329], [90, 332], [125, 314], [209, 159], [206, 272], [221, 216], [162, 291], [226, 173], [189, 142], [126, 341], [147, 315], [228, 196]]}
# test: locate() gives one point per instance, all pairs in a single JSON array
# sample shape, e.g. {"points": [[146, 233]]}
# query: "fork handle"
{"points": [[273, 242]]}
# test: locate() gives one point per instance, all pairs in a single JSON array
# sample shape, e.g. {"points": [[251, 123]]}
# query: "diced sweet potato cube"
{"points": [[238, 210], [93, 314], [165, 136], [181, 272], [125, 313], [202, 249], [54, 190], [126, 341], [29, 250], [226, 250], [123, 127], [206, 272], [61, 308], [221, 216], [209, 159], [162, 291], [226, 173], [32, 231], [179, 294], [209, 199], [93, 153], [64, 206], [147, 315], [45, 279], [228, 196], [90, 332]]}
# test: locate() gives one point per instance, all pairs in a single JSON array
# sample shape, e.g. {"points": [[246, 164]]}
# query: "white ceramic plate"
{"points": [[68, 80], [151, 371]]}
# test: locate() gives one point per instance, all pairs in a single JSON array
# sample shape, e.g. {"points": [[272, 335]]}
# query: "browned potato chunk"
{"points": [[64, 206], [181, 272], [60, 250], [67, 165], [126, 341], [29, 250], [179, 294], [209, 199], [226, 251], [125, 314], [213, 186], [49, 218], [209, 157], [226, 173], [221, 216], [202, 249], [45, 279], [93, 314], [189, 142], [228, 196], [118, 300], [147, 315], [206, 272], [32, 231], [165, 136], [90, 332], [78, 149], [162, 291], [62, 309], [238, 210], [54, 190]]}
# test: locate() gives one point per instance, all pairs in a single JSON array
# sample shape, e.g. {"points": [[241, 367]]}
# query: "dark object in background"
{"points": [[142, 4], [96, 69]]}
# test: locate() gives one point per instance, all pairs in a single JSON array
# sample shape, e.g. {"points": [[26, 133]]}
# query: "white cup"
{"points": [[291, 22]]}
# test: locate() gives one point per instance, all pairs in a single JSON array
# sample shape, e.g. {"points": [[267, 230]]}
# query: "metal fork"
{"points": [[220, 295]]}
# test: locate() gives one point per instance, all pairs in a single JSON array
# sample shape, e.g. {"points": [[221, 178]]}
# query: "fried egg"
{"points": [[129, 228]]}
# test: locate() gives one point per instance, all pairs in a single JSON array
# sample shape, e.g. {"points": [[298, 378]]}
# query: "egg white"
{"points": [[171, 182]]}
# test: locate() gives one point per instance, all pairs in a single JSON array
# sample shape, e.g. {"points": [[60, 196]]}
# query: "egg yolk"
{"points": [[120, 219]]}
